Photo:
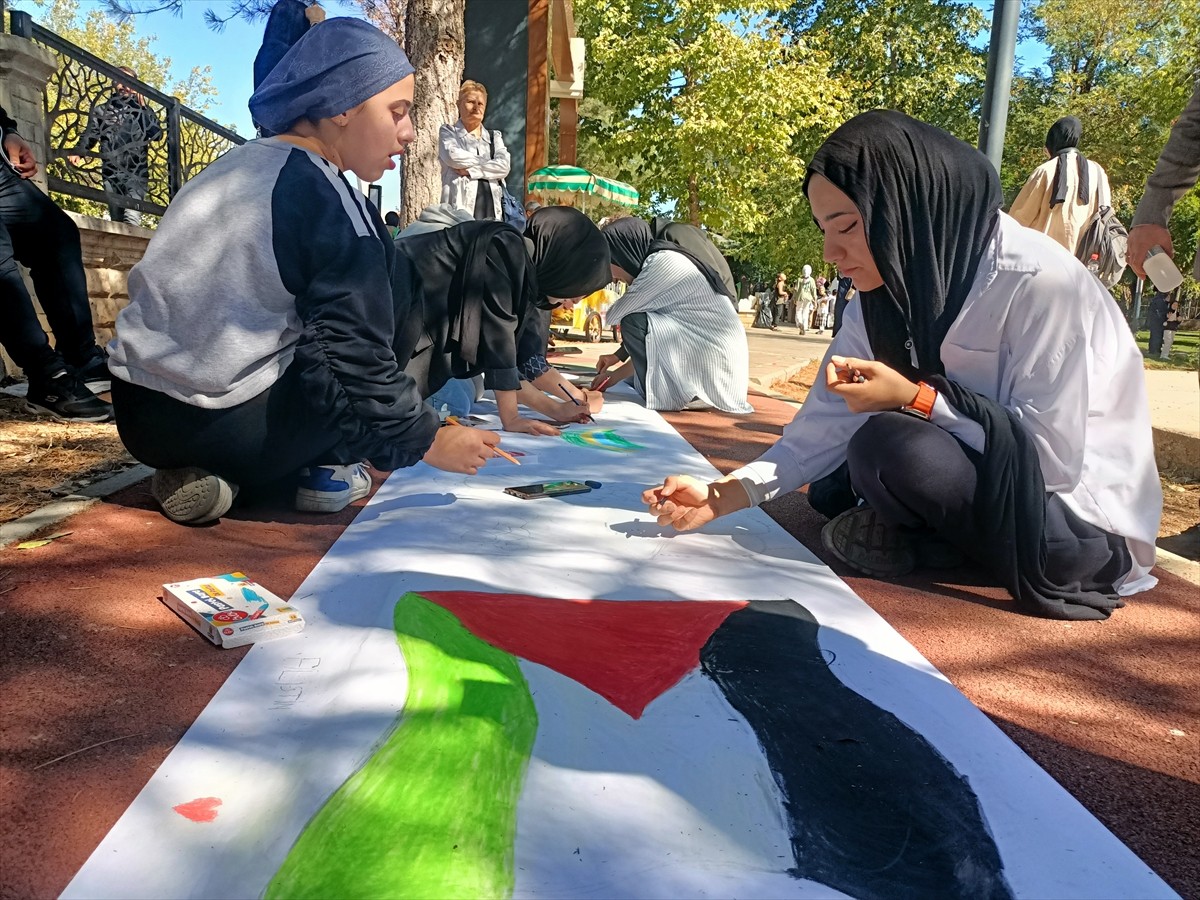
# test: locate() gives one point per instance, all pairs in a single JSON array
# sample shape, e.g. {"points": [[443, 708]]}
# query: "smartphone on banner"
{"points": [[551, 489]]}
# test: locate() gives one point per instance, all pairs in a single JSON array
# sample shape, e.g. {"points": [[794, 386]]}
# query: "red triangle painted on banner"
{"points": [[627, 651]]}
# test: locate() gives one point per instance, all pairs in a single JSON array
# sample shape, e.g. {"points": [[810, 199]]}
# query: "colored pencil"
{"points": [[512, 459], [563, 388], [601, 385]]}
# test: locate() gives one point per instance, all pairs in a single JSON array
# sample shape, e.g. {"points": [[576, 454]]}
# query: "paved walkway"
{"points": [[774, 355]]}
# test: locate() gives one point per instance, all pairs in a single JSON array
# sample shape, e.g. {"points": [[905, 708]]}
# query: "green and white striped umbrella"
{"points": [[572, 179]]}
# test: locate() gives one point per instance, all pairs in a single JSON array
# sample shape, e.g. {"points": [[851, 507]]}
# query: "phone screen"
{"points": [[548, 489]]}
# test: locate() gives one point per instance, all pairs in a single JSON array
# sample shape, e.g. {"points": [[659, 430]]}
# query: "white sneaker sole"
{"points": [[49, 413], [308, 500], [192, 496]]}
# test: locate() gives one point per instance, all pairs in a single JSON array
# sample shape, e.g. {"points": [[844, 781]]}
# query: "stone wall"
{"points": [[110, 250]]}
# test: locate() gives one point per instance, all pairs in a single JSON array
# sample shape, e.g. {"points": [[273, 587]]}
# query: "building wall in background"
{"points": [[497, 56]]}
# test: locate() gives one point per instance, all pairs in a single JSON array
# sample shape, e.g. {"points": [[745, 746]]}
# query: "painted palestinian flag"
{"points": [[661, 748]]}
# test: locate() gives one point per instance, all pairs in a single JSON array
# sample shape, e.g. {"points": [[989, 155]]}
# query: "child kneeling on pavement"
{"points": [[266, 347]]}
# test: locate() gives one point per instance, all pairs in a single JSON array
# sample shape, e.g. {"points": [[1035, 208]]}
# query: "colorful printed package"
{"points": [[231, 610]]}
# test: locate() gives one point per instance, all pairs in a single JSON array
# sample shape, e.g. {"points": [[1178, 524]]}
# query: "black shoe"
{"points": [[94, 374], [64, 397], [866, 544]]}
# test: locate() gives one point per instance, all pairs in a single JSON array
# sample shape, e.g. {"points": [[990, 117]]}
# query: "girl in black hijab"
{"points": [[1062, 195], [1062, 137], [475, 299], [984, 396], [680, 337]]}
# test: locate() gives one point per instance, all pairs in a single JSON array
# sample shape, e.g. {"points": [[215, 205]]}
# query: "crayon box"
{"points": [[231, 610]]}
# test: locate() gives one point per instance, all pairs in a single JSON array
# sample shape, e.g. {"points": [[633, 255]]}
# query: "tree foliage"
{"points": [[916, 56], [705, 102]]}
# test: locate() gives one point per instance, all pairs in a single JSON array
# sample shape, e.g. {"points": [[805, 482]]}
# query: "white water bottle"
{"points": [[1162, 270]]}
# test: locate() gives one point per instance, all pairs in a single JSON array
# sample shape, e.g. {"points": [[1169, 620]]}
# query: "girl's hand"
{"points": [[463, 450], [868, 385], [568, 412], [606, 362], [681, 502], [686, 503], [593, 400], [522, 425]]}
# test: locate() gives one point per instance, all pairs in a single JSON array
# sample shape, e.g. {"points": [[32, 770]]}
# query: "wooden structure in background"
{"points": [[552, 40]]}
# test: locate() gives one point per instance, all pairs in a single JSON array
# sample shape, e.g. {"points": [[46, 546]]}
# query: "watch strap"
{"points": [[922, 404]]}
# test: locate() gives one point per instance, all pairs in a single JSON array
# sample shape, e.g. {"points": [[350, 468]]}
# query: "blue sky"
{"points": [[189, 42]]}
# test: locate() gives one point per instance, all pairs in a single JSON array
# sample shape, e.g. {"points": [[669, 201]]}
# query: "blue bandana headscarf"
{"points": [[335, 66]]}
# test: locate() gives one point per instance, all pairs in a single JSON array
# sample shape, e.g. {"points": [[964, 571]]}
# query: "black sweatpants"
{"points": [[257, 442], [634, 329], [917, 476]]}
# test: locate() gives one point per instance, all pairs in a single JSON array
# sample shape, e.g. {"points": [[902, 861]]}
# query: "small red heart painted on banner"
{"points": [[203, 809]]}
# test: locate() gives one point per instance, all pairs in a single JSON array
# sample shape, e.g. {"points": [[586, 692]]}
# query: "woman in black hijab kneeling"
{"points": [[984, 397], [475, 299]]}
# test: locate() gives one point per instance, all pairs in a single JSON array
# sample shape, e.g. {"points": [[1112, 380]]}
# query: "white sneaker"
{"points": [[192, 496], [329, 489]]}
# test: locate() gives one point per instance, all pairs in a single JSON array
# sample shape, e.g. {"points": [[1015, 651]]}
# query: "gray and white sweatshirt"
{"points": [[269, 258]]}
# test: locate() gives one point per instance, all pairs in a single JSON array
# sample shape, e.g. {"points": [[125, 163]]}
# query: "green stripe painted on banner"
{"points": [[434, 812]]}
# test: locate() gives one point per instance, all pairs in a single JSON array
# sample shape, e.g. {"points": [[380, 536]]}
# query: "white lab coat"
{"points": [[1040, 336], [459, 149]]}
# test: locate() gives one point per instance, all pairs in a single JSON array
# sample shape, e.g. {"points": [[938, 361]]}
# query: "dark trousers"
{"points": [[126, 184], [255, 443], [1154, 347], [839, 310], [634, 329], [35, 232], [917, 476]]}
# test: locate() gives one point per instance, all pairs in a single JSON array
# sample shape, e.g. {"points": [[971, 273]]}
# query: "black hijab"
{"points": [[570, 254], [469, 290], [1062, 138], [700, 249], [631, 241], [929, 204]]}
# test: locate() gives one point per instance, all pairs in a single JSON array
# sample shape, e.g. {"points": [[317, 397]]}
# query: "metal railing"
{"points": [[155, 163]]}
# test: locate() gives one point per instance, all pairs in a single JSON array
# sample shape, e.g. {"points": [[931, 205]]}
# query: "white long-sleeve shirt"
{"points": [[1041, 337], [459, 149]]}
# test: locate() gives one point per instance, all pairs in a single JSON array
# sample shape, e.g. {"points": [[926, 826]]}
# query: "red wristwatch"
{"points": [[922, 405]]}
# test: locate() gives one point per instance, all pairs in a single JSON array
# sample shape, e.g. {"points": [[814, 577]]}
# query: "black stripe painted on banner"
{"points": [[873, 809]]}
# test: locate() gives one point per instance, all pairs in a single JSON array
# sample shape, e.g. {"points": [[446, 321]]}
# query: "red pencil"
{"points": [[601, 385]]}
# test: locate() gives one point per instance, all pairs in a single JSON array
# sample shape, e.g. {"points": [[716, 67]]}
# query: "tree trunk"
{"points": [[433, 35], [693, 188]]}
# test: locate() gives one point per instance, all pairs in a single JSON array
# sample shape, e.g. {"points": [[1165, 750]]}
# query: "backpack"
{"points": [[1105, 238], [511, 210]]}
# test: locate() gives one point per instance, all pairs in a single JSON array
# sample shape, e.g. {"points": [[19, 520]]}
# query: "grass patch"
{"points": [[1185, 352]]}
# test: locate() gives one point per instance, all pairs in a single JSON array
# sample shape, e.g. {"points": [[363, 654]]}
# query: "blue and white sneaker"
{"points": [[329, 489]]}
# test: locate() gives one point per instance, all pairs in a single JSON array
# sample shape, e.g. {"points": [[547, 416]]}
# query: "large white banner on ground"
{"points": [[556, 697]]}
